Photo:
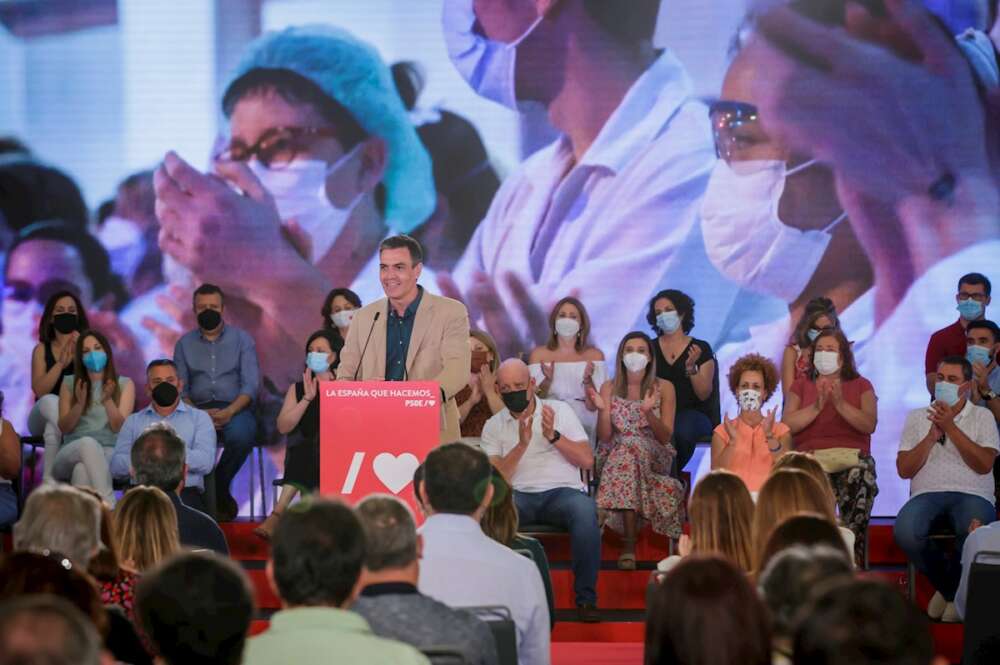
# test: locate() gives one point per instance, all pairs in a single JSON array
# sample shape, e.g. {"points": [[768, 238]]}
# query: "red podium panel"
{"points": [[374, 434]]}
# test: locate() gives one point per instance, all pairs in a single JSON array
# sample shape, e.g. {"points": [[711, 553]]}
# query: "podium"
{"points": [[374, 434]]}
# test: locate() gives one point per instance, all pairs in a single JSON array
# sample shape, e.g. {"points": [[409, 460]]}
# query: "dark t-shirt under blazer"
{"points": [[438, 350]]}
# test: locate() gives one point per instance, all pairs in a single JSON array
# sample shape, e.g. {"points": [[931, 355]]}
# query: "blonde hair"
{"points": [[500, 520], [786, 492], [805, 462], [721, 516], [146, 527], [491, 346]]}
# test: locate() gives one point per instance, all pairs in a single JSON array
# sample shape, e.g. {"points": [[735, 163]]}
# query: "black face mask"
{"points": [[209, 319], [66, 323], [165, 394], [516, 401]]}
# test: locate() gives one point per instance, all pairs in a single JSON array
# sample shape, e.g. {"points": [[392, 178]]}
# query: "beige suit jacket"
{"points": [[439, 351]]}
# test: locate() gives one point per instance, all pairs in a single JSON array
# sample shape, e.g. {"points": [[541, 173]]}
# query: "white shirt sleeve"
{"points": [[914, 430], [491, 442], [989, 436]]}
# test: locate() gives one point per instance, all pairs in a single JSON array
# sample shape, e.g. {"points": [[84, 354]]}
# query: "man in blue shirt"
{"points": [[192, 425], [217, 365]]}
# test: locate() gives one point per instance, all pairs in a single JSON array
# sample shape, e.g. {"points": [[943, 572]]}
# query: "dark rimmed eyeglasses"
{"points": [[277, 147]]}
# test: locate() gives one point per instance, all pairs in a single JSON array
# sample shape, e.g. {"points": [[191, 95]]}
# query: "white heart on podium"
{"points": [[395, 472], [431, 402]]}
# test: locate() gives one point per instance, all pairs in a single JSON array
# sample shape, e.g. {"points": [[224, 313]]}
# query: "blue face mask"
{"points": [[812, 334], [979, 354], [946, 392], [969, 309], [318, 362], [668, 322], [95, 361]]}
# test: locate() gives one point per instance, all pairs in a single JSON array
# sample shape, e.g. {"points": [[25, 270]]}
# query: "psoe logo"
{"points": [[419, 403]]}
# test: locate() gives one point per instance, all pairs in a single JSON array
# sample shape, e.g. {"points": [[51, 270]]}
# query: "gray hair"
{"points": [[158, 458], [390, 532], [792, 577], [60, 518], [47, 629]]}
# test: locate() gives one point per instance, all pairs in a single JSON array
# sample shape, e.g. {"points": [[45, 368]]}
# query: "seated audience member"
{"points": [[983, 345], [500, 522], [46, 629], [706, 611], [338, 311], [947, 451], [689, 365], [60, 518], [317, 554], [299, 419], [479, 400], [820, 315], [806, 462], [789, 581], [972, 298], [807, 529], [145, 528], [568, 365], [981, 539], [833, 413], [635, 451], [10, 467], [24, 574], [390, 601], [862, 622], [785, 493], [51, 361], [721, 516], [196, 609], [540, 447], [116, 582], [218, 372], [158, 460], [193, 426], [93, 406], [461, 566], [748, 444]]}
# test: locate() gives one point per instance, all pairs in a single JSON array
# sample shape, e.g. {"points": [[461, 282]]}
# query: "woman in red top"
{"points": [[835, 407]]}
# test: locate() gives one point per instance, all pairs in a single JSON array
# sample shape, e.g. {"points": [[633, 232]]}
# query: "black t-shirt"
{"points": [[676, 374]]}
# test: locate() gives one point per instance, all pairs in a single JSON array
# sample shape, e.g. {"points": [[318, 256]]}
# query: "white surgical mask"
{"points": [[749, 400], [826, 362], [635, 362], [486, 65], [668, 322], [343, 318], [567, 327], [126, 245], [744, 238], [299, 191]]}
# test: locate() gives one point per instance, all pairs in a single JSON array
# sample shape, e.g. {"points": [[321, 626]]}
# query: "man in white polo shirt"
{"points": [[948, 451], [540, 446]]}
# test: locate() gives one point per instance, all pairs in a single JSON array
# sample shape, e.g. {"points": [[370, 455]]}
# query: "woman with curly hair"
{"points": [[748, 444]]}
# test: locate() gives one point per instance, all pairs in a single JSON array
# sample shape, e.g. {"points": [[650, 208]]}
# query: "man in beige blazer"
{"points": [[410, 335]]}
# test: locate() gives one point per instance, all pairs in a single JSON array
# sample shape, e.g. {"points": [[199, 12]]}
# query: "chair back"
{"points": [[982, 630], [501, 624], [444, 655]]}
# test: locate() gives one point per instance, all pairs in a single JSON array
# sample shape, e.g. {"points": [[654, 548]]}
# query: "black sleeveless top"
{"points": [[676, 373], [50, 362], [308, 426]]}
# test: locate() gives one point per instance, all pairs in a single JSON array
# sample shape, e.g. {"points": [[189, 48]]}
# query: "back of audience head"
{"points": [[862, 622], [785, 493], [706, 613], [793, 576], [28, 573], [146, 527], [103, 566], [317, 553], [391, 540], [806, 529], [805, 462], [195, 609], [721, 515], [46, 630], [457, 480], [500, 519], [158, 458], [60, 518]]}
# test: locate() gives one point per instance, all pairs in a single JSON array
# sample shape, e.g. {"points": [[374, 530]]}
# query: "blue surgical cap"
{"points": [[352, 73]]}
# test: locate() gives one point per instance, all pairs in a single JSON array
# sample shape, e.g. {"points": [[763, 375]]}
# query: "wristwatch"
{"points": [[989, 395], [555, 436]]}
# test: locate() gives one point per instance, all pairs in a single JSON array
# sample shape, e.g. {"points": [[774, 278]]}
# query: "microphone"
{"points": [[370, 331]]}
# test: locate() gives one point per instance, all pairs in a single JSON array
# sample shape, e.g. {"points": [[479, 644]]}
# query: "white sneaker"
{"points": [[937, 606], [950, 614]]}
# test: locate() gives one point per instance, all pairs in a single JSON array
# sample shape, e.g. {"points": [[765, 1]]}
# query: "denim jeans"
{"points": [[570, 509], [690, 426], [8, 505], [912, 531], [238, 437]]}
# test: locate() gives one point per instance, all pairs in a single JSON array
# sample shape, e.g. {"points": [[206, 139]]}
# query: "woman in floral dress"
{"points": [[635, 453]]}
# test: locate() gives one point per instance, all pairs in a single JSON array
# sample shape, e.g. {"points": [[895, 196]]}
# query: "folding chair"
{"points": [[982, 630], [501, 623]]}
